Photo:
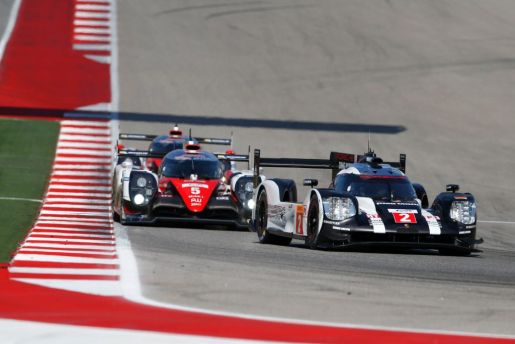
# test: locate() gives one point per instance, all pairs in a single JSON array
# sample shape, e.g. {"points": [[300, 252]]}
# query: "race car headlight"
{"points": [[138, 199], [463, 212], [245, 193], [251, 204], [249, 187], [338, 209], [141, 182]]}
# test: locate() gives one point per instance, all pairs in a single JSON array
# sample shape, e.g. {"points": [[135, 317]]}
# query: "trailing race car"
{"points": [[191, 185], [162, 144], [368, 203]]}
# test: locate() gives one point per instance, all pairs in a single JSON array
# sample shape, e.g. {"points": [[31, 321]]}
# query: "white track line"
{"points": [[92, 160], [93, 38], [498, 222], [71, 130], [98, 1], [101, 23], [93, 231], [81, 145], [62, 259], [80, 195], [69, 251], [64, 271], [27, 246], [93, 7], [77, 206], [83, 138], [74, 213], [68, 122], [87, 14], [71, 167], [56, 200], [55, 181], [54, 220], [68, 174], [76, 235], [97, 287], [106, 242], [82, 152], [61, 221], [10, 27], [91, 30]]}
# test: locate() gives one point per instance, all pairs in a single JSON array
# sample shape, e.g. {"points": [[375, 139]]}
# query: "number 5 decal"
{"points": [[195, 191]]}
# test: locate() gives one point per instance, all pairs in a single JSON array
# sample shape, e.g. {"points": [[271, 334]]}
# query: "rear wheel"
{"points": [[116, 216], [264, 236], [313, 223]]}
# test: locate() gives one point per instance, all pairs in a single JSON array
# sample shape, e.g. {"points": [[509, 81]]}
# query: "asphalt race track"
{"points": [[440, 76], [433, 79]]}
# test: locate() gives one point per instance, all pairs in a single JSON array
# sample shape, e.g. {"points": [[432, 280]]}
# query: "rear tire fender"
{"points": [[421, 195], [287, 189]]}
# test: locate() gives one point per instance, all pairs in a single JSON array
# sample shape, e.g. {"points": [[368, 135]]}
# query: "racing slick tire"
{"points": [[116, 216], [312, 238], [264, 236]]}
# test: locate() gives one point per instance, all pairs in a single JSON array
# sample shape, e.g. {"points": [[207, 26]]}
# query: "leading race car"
{"points": [[368, 203], [191, 185]]}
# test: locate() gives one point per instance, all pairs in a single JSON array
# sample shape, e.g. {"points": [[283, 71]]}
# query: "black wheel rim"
{"points": [[313, 225]]}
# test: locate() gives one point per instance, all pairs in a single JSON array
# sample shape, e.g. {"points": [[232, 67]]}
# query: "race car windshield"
{"points": [[384, 189], [163, 147], [204, 169]]}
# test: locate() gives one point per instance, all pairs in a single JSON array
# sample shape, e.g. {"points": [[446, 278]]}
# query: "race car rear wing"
{"points": [[147, 154], [335, 163], [201, 140], [327, 164], [139, 153], [401, 164]]}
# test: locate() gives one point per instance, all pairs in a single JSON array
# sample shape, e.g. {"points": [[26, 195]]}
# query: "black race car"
{"points": [[368, 203]]}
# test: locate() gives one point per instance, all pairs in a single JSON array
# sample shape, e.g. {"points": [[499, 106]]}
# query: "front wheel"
{"points": [[261, 221], [312, 239]]}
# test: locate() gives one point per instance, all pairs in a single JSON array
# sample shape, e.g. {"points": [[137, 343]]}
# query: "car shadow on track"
{"points": [[388, 251], [200, 119], [193, 226]]}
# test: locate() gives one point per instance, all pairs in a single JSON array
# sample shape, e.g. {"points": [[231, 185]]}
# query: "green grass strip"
{"points": [[27, 150]]}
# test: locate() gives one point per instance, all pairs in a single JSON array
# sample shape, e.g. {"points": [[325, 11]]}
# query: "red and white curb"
{"points": [[72, 244], [92, 29]]}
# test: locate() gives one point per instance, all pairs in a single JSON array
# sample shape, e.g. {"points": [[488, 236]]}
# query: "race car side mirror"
{"points": [[310, 182], [452, 188]]}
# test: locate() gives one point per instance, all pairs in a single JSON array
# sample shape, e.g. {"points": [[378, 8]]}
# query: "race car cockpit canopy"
{"points": [[181, 164], [164, 144], [378, 187]]}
